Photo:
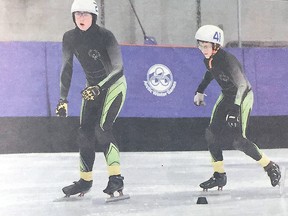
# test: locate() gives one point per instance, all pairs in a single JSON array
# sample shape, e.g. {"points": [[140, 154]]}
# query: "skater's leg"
{"points": [[112, 105], [241, 142], [213, 134], [251, 149], [215, 151], [112, 157], [219, 178], [86, 143], [105, 137], [86, 138], [110, 150], [87, 157]]}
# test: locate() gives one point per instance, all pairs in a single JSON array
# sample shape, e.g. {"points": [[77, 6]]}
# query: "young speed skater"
{"points": [[102, 98], [232, 110]]}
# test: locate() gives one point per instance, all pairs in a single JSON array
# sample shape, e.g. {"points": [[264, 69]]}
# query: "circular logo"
{"points": [[160, 80]]}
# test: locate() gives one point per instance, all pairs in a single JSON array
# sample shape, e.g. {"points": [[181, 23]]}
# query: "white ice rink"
{"points": [[159, 183]]}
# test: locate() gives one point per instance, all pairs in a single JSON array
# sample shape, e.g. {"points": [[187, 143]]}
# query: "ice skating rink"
{"points": [[159, 183]]}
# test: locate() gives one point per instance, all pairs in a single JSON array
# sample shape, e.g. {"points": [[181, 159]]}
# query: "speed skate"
{"points": [[115, 184], [217, 180]]}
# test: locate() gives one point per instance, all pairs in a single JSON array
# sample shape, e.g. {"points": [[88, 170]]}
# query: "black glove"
{"points": [[91, 92], [233, 116], [62, 108]]}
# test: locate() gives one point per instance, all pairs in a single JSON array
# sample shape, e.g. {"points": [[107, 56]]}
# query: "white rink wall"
{"points": [[170, 21]]}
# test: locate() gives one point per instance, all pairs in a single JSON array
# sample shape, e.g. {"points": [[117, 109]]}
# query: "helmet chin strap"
{"points": [[214, 51]]}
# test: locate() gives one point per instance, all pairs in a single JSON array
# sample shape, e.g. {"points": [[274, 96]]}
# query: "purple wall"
{"points": [[30, 80]]}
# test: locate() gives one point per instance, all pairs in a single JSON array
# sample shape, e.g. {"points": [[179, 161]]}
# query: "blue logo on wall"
{"points": [[160, 80]]}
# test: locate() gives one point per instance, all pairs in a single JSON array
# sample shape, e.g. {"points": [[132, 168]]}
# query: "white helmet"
{"points": [[210, 33], [86, 6]]}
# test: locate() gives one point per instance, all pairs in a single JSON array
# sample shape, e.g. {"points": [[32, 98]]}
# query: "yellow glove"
{"points": [[62, 108], [91, 92]]}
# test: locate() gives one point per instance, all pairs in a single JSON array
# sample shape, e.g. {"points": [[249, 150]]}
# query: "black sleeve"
{"points": [[67, 66], [114, 53], [239, 79], [205, 82]]}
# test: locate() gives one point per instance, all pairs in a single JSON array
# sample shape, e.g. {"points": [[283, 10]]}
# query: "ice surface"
{"points": [[159, 183]]}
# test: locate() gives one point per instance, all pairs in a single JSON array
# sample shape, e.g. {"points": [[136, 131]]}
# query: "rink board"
{"points": [[34, 67]]}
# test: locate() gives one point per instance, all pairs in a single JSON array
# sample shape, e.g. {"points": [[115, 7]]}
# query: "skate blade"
{"points": [[219, 188], [69, 199], [72, 198], [211, 192], [117, 198]]}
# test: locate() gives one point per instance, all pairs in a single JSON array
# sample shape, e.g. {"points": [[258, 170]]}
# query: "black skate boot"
{"points": [[80, 187], [115, 183], [217, 180], [274, 173]]}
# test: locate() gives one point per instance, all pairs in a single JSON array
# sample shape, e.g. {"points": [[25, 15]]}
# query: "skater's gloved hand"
{"points": [[91, 92], [233, 116], [62, 108], [199, 99]]}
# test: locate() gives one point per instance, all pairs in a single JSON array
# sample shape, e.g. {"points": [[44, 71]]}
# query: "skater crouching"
{"points": [[100, 57], [232, 110]]}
